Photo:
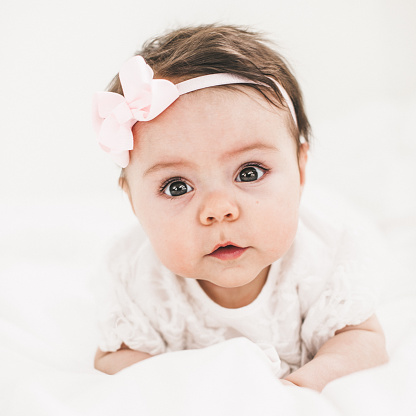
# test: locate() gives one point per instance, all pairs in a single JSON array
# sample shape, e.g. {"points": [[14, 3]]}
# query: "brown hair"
{"points": [[208, 49]]}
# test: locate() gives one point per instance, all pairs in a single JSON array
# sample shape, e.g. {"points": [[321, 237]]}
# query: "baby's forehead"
{"points": [[219, 105], [211, 124]]}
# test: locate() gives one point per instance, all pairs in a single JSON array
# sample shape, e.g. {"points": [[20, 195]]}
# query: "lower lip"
{"points": [[228, 253]]}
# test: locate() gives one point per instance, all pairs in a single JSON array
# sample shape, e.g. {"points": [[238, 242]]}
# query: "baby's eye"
{"points": [[250, 174], [177, 188]]}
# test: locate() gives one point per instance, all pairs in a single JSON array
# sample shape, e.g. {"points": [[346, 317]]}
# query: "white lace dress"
{"points": [[316, 289]]}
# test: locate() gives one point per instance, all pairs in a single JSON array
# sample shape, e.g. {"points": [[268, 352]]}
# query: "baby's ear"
{"points": [[303, 159], [122, 182]]}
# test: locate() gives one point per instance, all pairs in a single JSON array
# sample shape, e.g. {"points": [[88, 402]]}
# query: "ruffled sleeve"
{"points": [[336, 294], [120, 316]]}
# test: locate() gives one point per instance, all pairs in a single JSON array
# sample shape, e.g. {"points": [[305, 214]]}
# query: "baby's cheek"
{"points": [[281, 231], [175, 255]]}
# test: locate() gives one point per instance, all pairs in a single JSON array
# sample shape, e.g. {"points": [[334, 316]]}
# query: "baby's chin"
{"points": [[234, 277]]}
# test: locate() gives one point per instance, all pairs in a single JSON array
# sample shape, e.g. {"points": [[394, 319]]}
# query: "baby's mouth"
{"points": [[228, 251]]}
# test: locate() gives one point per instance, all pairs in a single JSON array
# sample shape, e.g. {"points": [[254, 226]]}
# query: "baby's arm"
{"points": [[351, 349], [113, 362]]}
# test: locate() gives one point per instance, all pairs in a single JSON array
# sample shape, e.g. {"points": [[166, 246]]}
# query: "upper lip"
{"points": [[228, 243]]}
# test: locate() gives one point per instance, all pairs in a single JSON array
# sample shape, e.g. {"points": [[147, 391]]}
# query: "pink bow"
{"points": [[144, 99]]}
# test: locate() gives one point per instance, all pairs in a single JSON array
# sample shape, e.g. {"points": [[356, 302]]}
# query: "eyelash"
{"points": [[256, 165], [167, 182]]}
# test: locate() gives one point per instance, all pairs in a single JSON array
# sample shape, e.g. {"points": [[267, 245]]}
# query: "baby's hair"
{"points": [[190, 52]]}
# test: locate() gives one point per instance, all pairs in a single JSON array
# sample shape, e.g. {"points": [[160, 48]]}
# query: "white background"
{"points": [[355, 61]]}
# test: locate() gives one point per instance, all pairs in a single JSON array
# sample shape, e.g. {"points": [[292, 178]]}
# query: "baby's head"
{"points": [[191, 52], [215, 176]]}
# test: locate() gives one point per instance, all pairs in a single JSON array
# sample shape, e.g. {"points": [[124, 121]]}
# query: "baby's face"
{"points": [[217, 168]]}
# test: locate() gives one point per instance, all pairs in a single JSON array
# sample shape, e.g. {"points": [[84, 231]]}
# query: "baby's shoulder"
{"points": [[316, 227], [124, 248], [132, 263], [321, 244]]}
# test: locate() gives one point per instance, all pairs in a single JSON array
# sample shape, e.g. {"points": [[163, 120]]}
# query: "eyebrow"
{"points": [[166, 165], [187, 164], [250, 147]]}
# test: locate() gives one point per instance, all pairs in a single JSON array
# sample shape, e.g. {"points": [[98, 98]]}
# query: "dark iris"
{"points": [[177, 188], [248, 174]]}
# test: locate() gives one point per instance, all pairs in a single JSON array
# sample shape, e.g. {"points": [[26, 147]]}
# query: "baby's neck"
{"points": [[235, 297]]}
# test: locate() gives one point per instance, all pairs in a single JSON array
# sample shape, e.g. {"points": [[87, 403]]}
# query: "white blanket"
{"points": [[231, 378]]}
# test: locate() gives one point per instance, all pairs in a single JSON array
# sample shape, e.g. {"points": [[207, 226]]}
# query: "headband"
{"points": [[144, 99]]}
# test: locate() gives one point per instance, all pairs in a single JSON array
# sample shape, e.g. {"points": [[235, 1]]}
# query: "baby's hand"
{"points": [[288, 383]]}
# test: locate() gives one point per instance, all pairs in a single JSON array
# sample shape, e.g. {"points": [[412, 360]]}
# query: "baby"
{"points": [[209, 127]]}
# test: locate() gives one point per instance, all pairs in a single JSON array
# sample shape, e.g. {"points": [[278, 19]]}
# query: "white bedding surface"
{"points": [[233, 377]]}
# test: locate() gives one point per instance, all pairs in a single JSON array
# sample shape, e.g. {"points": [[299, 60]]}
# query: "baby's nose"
{"points": [[218, 207]]}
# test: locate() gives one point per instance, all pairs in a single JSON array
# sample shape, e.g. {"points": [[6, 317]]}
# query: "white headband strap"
{"points": [[214, 80]]}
